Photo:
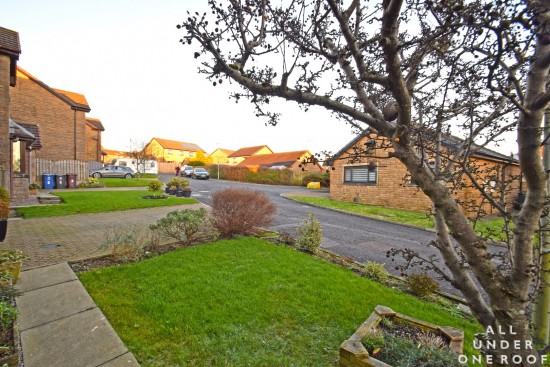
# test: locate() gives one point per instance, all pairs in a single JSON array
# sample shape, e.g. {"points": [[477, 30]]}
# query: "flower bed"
{"points": [[354, 354]]}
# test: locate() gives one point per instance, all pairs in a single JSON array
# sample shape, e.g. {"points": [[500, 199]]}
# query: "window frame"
{"points": [[370, 170]]}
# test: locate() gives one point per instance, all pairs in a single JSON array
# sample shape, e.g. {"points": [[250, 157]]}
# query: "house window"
{"points": [[18, 157], [182, 152], [191, 154], [360, 174], [170, 152]]}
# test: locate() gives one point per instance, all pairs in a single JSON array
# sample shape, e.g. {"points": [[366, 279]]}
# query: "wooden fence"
{"points": [[80, 168], [168, 167]]}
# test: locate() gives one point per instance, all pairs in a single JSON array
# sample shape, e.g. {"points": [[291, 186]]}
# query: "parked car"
{"points": [[200, 173], [186, 171], [112, 171]]}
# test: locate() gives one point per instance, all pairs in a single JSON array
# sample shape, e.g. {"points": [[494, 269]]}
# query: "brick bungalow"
{"points": [[288, 160], [239, 155], [382, 180]]}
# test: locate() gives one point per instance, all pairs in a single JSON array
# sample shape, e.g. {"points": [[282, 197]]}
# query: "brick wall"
{"points": [[392, 190], [4, 117], [93, 144], [33, 104]]}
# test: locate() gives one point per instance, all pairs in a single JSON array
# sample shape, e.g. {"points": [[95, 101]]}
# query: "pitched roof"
{"points": [[178, 145], [226, 151], [247, 151], [25, 132], [449, 141], [115, 152], [95, 123], [274, 159], [75, 100], [9, 42]]}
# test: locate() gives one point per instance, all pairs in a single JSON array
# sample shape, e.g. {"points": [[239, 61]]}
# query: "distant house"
{"points": [[289, 160], [111, 155], [382, 180], [165, 150], [239, 155], [220, 156], [65, 132]]}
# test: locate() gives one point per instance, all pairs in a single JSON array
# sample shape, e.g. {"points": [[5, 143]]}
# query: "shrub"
{"points": [[270, 176], [9, 256], [8, 313], [240, 212], [4, 209], [309, 235], [33, 186], [375, 271], [422, 284], [92, 182], [195, 163], [4, 194], [154, 186], [178, 182], [187, 226], [125, 243]]}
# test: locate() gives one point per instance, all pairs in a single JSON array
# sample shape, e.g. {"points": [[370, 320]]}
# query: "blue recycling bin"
{"points": [[47, 181]]}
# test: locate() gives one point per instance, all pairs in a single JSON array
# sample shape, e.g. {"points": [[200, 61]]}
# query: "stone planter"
{"points": [[14, 359], [186, 193], [354, 354]]}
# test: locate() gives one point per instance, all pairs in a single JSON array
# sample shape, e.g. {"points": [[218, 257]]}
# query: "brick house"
{"points": [[65, 132], [288, 160], [10, 49], [239, 155], [94, 128], [165, 150], [220, 156], [382, 180]]}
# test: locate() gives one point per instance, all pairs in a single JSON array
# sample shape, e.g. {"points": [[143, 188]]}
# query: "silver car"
{"points": [[112, 171]]}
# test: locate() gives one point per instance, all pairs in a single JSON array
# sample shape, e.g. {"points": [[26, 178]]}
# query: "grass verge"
{"points": [[492, 228], [80, 202], [244, 302]]}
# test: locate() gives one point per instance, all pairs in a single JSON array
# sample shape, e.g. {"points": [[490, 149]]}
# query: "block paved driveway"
{"points": [[47, 241]]}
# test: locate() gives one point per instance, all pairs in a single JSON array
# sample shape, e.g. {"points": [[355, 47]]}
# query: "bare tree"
{"points": [[412, 72], [140, 154]]}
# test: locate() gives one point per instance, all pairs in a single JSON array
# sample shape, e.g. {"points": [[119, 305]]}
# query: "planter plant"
{"points": [[181, 185], [10, 261], [388, 337], [33, 189]]}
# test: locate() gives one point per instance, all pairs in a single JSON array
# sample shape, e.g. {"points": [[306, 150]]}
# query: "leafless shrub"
{"points": [[240, 212]]}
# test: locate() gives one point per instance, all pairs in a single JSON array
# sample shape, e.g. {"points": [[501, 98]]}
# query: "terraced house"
{"points": [[165, 150]]}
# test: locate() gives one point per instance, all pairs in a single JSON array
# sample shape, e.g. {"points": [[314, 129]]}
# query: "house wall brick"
{"points": [[392, 190], [93, 144], [33, 104], [4, 120]]}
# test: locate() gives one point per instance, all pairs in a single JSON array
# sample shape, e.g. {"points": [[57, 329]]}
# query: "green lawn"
{"points": [[80, 202], [486, 227], [243, 302], [122, 182]]}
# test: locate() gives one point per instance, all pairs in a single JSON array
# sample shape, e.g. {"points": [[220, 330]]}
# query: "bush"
{"points": [[375, 271], [8, 313], [125, 243], [4, 209], [4, 194], [178, 182], [187, 226], [309, 235], [240, 212], [422, 284], [195, 163], [92, 182], [154, 186]]}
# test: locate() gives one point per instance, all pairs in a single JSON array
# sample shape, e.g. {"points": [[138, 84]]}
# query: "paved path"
{"points": [[61, 326], [48, 241]]}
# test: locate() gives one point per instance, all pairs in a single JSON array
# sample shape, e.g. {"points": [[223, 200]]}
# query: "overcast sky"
{"points": [[124, 56]]}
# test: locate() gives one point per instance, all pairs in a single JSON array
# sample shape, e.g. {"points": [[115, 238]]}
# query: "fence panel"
{"points": [[63, 167], [168, 167]]}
